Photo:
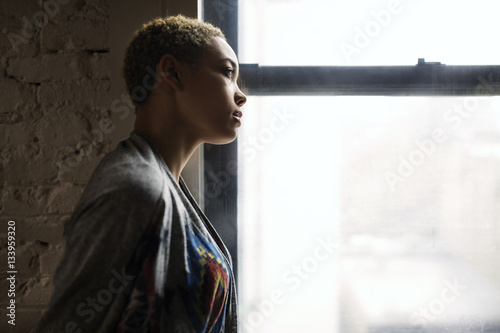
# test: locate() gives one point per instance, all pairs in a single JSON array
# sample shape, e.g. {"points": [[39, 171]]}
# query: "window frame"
{"points": [[220, 162]]}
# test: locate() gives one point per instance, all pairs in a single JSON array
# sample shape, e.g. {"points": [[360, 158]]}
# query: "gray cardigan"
{"points": [[140, 254]]}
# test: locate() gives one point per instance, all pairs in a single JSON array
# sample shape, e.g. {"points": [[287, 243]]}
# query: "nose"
{"points": [[240, 98]]}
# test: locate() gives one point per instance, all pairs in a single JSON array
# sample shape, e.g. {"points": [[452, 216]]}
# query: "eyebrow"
{"points": [[233, 63]]}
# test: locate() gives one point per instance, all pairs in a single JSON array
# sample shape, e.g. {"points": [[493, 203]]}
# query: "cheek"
{"points": [[216, 97], [205, 92], [211, 96]]}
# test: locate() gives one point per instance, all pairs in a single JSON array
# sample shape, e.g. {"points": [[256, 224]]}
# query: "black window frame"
{"points": [[220, 181], [422, 79]]}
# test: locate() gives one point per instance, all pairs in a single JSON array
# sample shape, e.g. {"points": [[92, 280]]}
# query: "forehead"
{"points": [[219, 50]]}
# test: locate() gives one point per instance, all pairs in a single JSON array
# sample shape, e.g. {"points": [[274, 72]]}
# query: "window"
{"points": [[369, 213], [368, 197], [367, 32]]}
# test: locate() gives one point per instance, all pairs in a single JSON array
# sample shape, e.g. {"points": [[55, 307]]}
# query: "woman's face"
{"points": [[210, 99]]}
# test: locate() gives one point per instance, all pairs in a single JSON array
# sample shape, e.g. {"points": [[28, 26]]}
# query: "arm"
{"points": [[91, 285]]}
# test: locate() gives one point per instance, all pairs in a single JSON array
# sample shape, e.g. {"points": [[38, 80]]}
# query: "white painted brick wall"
{"points": [[49, 67], [54, 84]]}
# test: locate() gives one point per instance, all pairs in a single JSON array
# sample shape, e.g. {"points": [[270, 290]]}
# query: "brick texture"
{"points": [[80, 34], [54, 129], [49, 67]]}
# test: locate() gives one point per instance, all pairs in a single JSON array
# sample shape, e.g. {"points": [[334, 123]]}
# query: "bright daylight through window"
{"points": [[369, 213], [368, 32]]}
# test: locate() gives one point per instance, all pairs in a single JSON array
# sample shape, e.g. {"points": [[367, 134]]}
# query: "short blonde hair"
{"points": [[183, 37]]}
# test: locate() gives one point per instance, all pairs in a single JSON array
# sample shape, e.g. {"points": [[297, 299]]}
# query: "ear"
{"points": [[169, 68]]}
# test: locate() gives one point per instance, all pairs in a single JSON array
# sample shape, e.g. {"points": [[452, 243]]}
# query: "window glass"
{"points": [[369, 214], [368, 32]]}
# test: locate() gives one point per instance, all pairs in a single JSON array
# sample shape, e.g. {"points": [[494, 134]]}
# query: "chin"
{"points": [[223, 140]]}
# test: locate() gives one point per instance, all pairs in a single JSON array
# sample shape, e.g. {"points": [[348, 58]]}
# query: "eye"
{"points": [[229, 72]]}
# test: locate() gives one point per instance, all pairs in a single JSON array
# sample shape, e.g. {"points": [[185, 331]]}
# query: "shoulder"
{"points": [[131, 168], [130, 178]]}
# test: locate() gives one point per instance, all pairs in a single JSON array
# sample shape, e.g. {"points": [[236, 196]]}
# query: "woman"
{"points": [[140, 254]]}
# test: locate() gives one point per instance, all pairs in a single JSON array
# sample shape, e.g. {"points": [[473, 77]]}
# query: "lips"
{"points": [[237, 115]]}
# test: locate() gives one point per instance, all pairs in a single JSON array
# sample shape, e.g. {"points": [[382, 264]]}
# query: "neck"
{"points": [[174, 145]]}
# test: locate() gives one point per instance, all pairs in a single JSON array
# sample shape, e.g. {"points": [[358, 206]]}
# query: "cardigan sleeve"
{"points": [[103, 245]]}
